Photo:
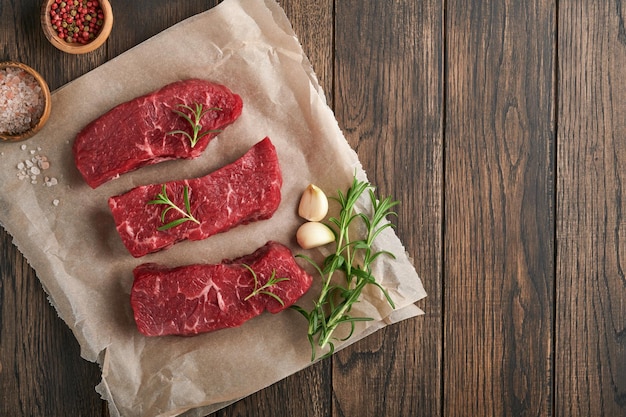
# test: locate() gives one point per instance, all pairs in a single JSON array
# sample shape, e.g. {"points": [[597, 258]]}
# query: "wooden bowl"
{"points": [[45, 91], [76, 48]]}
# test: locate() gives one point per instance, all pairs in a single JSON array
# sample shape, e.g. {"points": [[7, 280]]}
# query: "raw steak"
{"points": [[194, 299], [244, 191], [135, 133]]}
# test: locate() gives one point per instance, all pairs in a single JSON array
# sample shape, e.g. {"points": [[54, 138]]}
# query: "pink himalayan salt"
{"points": [[21, 101]]}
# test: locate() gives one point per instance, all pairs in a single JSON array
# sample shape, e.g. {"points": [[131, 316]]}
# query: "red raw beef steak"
{"points": [[244, 191], [137, 133], [200, 298]]}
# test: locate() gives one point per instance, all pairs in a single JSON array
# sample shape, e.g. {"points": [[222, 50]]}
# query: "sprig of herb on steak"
{"points": [[162, 198], [263, 289], [194, 118], [352, 259]]}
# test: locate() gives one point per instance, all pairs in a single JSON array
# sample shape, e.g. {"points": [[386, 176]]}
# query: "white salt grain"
{"points": [[55, 202], [49, 182]]}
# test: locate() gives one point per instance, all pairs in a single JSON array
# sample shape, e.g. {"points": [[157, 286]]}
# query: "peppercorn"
{"points": [[70, 17]]}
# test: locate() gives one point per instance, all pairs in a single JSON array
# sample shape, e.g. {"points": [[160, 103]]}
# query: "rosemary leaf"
{"points": [[163, 198], [352, 260], [194, 121], [264, 288]]}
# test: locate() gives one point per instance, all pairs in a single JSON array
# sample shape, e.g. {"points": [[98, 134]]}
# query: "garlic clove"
{"points": [[313, 204], [314, 234]]}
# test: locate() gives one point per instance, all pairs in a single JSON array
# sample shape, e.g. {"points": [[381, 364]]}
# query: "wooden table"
{"points": [[501, 126]]}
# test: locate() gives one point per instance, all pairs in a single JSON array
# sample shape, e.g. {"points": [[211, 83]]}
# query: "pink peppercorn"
{"points": [[69, 17]]}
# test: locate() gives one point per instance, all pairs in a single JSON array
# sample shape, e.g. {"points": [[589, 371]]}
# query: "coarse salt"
{"points": [[21, 101], [32, 167]]}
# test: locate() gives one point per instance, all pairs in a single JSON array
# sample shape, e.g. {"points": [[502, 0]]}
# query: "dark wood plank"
{"points": [[39, 357], [312, 21], [41, 371], [139, 20], [499, 222], [590, 367], [309, 392], [389, 101]]}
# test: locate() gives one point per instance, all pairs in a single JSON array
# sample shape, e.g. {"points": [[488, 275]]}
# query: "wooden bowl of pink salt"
{"points": [[24, 101]]}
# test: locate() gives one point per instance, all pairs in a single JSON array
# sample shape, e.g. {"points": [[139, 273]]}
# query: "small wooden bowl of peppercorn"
{"points": [[77, 26], [24, 101]]}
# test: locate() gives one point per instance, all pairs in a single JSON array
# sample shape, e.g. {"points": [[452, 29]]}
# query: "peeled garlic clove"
{"points": [[314, 234], [313, 204]]}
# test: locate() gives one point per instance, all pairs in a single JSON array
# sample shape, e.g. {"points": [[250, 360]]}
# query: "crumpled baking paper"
{"points": [[68, 236]]}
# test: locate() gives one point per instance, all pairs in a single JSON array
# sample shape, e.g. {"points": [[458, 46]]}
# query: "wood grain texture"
{"points": [[39, 357], [388, 99], [590, 368], [499, 217], [41, 371], [139, 20], [500, 126], [309, 392]]}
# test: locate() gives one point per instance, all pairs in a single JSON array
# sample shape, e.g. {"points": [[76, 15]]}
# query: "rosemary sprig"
{"points": [[263, 289], [162, 198], [352, 259], [194, 120]]}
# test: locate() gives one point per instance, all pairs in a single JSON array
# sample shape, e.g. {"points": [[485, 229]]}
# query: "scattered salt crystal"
{"points": [[55, 202], [31, 168]]}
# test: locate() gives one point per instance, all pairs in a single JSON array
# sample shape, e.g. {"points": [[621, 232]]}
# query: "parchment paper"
{"points": [[67, 233]]}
